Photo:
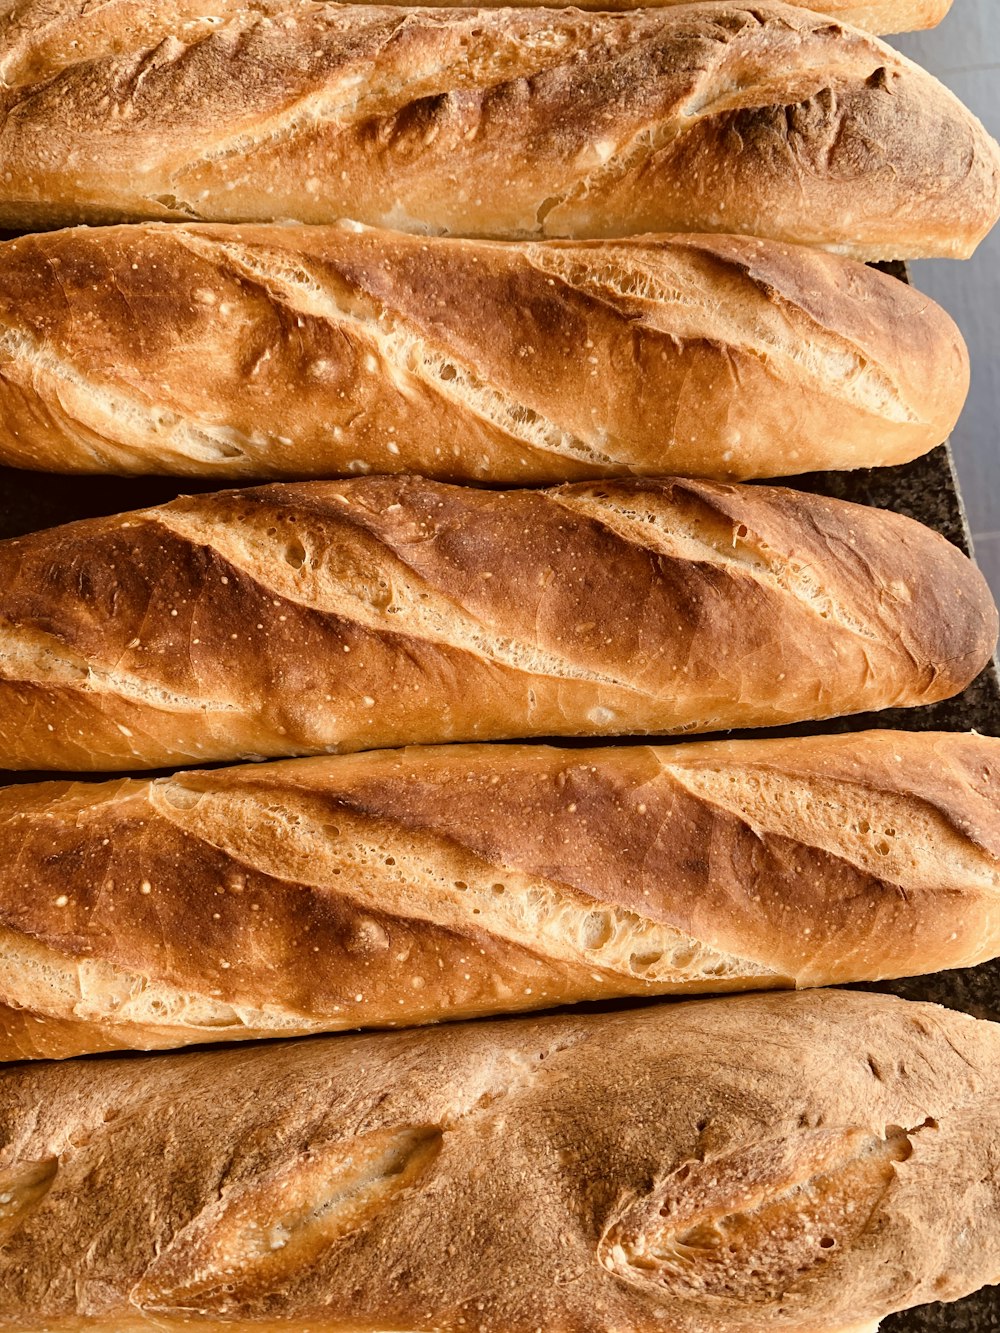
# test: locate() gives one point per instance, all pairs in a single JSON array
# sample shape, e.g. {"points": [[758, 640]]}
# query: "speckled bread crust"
{"points": [[353, 615], [751, 119], [806, 1163], [46, 23], [880, 16], [407, 886], [267, 351]]}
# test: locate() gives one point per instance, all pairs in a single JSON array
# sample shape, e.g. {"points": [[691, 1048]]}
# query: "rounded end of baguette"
{"points": [[961, 626], [850, 367], [921, 595], [886, 17]]}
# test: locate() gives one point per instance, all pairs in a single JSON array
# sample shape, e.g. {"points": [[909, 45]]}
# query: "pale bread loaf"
{"points": [[322, 616], [886, 16], [760, 119], [802, 1162], [316, 351], [409, 886]]}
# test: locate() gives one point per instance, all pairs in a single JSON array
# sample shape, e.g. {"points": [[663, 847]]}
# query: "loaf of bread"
{"points": [[803, 1162], [407, 886], [759, 119], [313, 617], [48, 24], [268, 351], [884, 16]]}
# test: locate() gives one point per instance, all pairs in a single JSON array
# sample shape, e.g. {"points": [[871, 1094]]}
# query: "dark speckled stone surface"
{"points": [[925, 490]]}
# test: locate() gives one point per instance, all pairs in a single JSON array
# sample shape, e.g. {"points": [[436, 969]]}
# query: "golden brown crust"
{"points": [[288, 351], [410, 886], [303, 618], [803, 1162], [877, 16], [133, 22], [744, 118]]}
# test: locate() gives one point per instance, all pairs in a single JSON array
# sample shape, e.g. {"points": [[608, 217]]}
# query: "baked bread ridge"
{"points": [[410, 886], [506, 123], [312, 617], [519, 1174], [47, 29], [269, 351], [889, 18], [879, 16]]}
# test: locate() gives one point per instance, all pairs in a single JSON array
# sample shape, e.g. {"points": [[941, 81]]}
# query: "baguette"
{"points": [[761, 119], [381, 611], [47, 24], [801, 1162], [408, 886], [308, 351], [878, 16]]}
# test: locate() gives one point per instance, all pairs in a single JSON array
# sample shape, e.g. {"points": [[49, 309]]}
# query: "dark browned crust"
{"points": [[384, 611], [261, 351], [323, 892], [748, 118]]}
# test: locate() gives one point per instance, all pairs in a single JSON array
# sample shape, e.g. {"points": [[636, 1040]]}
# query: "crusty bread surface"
{"points": [[270, 351], [879, 16], [757, 119], [408, 886], [48, 23], [314, 617], [885, 16], [803, 1162]]}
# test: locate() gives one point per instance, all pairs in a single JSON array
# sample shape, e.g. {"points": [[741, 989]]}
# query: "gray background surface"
{"points": [[964, 52]]}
